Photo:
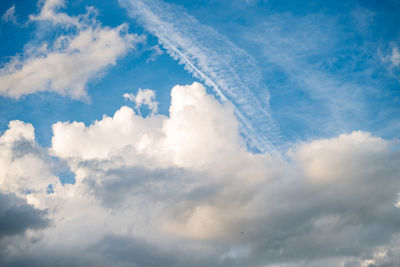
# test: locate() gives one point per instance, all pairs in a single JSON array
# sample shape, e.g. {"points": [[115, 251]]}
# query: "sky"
{"points": [[199, 133]]}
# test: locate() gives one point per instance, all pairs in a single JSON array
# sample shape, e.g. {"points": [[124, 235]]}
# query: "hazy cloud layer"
{"points": [[183, 190]]}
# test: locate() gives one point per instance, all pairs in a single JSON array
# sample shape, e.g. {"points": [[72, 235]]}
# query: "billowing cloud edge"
{"points": [[167, 187]]}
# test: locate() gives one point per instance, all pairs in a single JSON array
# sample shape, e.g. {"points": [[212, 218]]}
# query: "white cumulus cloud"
{"points": [[25, 170], [71, 61], [182, 190]]}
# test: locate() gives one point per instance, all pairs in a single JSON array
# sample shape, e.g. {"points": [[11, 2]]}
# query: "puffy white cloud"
{"points": [[24, 167], [337, 157], [198, 129], [183, 190], [68, 64], [143, 97]]}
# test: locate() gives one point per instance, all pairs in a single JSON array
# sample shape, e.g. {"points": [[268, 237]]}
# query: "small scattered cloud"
{"points": [[395, 56], [144, 97], [251, 2], [155, 51], [9, 15]]}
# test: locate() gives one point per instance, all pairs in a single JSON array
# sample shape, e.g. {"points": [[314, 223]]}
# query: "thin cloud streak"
{"points": [[211, 57], [9, 15]]}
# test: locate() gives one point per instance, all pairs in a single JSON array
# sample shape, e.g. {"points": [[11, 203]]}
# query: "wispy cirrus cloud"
{"points": [[395, 57], [310, 50], [213, 58], [332, 76], [9, 15]]}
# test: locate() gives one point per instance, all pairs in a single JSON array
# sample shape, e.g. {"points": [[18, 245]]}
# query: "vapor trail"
{"points": [[211, 57]]}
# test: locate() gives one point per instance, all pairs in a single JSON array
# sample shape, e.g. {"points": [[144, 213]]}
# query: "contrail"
{"points": [[211, 57]]}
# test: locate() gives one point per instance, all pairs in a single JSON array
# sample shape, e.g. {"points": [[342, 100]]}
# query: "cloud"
{"points": [[182, 190], [25, 168], [50, 12], [309, 51], [155, 51], [144, 97], [9, 15], [53, 67], [181, 137], [395, 57], [211, 57], [16, 216]]}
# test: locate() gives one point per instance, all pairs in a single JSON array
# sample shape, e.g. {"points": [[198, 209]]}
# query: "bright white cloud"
{"points": [[150, 191], [189, 137], [24, 168], [67, 65], [144, 97]]}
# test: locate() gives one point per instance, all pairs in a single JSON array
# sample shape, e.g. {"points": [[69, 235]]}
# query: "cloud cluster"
{"points": [[182, 190], [53, 66]]}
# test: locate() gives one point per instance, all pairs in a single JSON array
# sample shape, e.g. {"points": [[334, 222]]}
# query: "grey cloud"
{"points": [[16, 216], [23, 147], [119, 251], [294, 221], [169, 184]]}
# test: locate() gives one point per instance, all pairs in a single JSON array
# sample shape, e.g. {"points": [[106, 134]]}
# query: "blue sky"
{"points": [[286, 111], [325, 66]]}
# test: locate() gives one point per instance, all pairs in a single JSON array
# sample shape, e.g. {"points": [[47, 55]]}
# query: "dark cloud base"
{"points": [[16, 216]]}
